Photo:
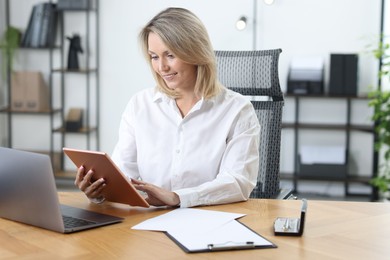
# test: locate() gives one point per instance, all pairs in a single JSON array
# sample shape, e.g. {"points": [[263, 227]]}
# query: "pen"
{"points": [[224, 246], [286, 225]]}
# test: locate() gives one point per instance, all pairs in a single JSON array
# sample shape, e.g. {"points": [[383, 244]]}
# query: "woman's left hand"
{"points": [[157, 196]]}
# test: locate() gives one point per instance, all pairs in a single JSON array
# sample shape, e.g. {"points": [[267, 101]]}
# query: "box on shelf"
{"points": [[306, 76], [29, 92], [322, 162], [74, 120], [343, 77], [321, 170]]}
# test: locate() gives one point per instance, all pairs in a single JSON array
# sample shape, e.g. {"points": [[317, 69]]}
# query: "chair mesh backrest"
{"points": [[255, 73]]}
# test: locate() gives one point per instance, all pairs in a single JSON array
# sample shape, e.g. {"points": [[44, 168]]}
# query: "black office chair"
{"points": [[255, 73]]}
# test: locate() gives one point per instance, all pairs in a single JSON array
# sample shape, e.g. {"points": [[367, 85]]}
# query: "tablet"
{"points": [[119, 188]]}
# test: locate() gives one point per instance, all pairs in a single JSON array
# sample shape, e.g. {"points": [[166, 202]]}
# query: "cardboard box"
{"points": [[17, 92], [29, 92], [74, 120]]}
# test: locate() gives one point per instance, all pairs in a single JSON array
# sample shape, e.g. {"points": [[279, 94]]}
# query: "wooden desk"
{"points": [[334, 230]]}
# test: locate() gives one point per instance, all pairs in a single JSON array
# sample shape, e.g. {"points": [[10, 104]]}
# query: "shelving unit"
{"points": [[346, 128], [12, 116], [60, 93], [88, 73]]}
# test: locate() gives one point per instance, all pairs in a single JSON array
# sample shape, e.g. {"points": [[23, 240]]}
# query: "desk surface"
{"points": [[342, 230]]}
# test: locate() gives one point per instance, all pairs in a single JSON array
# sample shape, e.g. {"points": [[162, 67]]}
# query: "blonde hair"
{"points": [[185, 35]]}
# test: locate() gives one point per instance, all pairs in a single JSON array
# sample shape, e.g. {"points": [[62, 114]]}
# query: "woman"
{"points": [[189, 141]]}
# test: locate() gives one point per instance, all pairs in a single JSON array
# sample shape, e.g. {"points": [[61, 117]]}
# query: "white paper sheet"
{"points": [[189, 220], [196, 229]]}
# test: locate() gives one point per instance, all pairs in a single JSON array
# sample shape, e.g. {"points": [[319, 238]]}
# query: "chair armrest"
{"points": [[285, 194]]}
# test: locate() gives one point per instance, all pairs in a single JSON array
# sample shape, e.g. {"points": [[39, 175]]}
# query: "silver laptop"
{"points": [[28, 194]]}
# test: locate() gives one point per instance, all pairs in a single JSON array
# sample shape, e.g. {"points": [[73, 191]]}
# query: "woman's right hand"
{"points": [[92, 190]]}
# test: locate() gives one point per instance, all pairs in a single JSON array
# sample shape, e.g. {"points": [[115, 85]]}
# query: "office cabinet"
{"points": [[343, 129], [44, 130], [29, 127], [79, 84]]}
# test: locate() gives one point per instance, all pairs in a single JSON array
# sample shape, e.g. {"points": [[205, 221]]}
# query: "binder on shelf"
{"points": [[26, 37], [36, 25], [41, 29], [343, 74], [49, 25]]}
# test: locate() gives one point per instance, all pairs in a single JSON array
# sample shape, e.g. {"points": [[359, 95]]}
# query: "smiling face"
{"points": [[177, 74]]}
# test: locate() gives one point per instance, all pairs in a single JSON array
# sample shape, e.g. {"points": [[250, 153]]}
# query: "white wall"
{"points": [[321, 27], [299, 27], [123, 69], [318, 28]]}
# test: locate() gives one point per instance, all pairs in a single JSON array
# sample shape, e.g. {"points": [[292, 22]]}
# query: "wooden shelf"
{"points": [[349, 178], [317, 126], [40, 48], [65, 174], [325, 96], [80, 71], [48, 111], [83, 130]]}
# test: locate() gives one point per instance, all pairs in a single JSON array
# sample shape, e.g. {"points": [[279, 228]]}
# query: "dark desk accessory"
{"points": [[306, 76], [74, 48], [74, 120], [343, 76], [291, 226]]}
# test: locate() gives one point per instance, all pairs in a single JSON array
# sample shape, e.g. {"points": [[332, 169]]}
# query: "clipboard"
{"points": [[244, 239]]}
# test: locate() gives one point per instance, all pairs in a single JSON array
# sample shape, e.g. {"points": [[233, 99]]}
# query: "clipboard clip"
{"points": [[291, 226], [231, 245]]}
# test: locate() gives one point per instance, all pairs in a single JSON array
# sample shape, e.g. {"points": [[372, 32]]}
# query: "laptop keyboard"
{"points": [[72, 222]]}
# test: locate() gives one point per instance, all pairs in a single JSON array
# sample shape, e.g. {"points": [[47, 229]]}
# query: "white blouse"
{"points": [[208, 157]]}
